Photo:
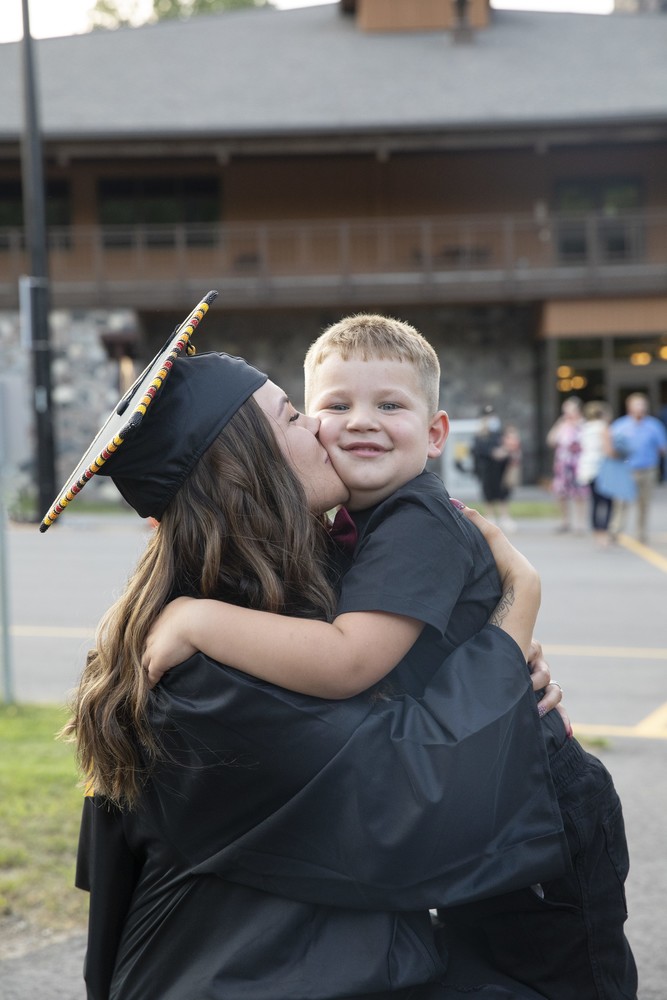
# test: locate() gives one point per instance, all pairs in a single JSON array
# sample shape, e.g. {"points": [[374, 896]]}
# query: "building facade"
{"points": [[504, 189]]}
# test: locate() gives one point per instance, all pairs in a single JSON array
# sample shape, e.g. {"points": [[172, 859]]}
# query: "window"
{"points": [[599, 220], [57, 207], [640, 351], [159, 204], [580, 349], [585, 382], [11, 206]]}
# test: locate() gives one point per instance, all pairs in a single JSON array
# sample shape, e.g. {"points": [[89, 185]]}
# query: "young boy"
{"points": [[423, 581]]}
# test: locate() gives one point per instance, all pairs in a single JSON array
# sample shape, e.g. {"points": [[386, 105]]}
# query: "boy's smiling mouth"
{"points": [[364, 448]]}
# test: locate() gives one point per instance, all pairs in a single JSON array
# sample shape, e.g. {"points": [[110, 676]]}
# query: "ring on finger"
{"points": [[557, 685]]}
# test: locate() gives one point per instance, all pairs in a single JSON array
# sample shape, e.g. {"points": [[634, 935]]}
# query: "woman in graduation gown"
{"points": [[242, 842]]}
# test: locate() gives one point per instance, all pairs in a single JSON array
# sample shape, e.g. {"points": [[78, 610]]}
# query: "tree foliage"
{"points": [[125, 13]]}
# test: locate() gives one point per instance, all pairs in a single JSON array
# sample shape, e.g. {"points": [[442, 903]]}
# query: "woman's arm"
{"points": [[521, 584], [607, 443], [516, 612], [552, 433]]}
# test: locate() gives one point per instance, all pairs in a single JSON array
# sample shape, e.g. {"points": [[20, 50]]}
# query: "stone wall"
{"points": [[84, 389], [487, 354]]}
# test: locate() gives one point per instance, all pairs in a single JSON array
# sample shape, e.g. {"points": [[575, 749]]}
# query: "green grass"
{"points": [[593, 742], [40, 809], [22, 510], [534, 508], [26, 510]]}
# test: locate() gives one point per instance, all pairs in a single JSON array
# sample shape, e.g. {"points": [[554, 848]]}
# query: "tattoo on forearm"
{"points": [[501, 612]]}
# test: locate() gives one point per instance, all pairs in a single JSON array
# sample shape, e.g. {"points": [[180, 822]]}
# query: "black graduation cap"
{"points": [[164, 422]]}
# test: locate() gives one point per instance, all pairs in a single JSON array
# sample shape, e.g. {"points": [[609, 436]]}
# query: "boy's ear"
{"points": [[438, 432]]}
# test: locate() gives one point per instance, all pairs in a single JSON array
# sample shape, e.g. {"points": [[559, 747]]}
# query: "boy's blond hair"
{"points": [[370, 337]]}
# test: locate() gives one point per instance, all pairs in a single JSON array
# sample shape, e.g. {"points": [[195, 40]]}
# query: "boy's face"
{"points": [[375, 424]]}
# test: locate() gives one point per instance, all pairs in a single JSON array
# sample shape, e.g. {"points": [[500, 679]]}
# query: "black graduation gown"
{"points": [[290, 848]]}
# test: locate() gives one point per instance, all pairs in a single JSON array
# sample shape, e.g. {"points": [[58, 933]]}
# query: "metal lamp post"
{"points": [[36, 315]]}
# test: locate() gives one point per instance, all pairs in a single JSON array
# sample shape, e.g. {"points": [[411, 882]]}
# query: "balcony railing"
{"points": [[296, 263]]}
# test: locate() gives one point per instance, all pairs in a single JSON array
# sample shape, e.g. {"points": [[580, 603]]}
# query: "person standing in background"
{"points": [[643, 439], [511, 442], [662, 417], [595, 446], [491, 460], [564, 437]]}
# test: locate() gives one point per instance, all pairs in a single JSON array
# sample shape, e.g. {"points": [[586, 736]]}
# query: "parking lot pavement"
{"points": [[602, 624], [53, 972]]}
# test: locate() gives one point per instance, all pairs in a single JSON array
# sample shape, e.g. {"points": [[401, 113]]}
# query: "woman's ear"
{"points": [[438, 432]]}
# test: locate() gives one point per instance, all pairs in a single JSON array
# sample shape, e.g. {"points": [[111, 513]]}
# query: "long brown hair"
{"points": [[238, 530]]}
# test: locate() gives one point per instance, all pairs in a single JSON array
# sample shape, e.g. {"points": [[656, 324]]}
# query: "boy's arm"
{"points": [[322, 659]]}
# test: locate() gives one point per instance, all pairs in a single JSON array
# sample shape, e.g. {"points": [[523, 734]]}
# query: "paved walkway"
{"points": [[50, 973]]}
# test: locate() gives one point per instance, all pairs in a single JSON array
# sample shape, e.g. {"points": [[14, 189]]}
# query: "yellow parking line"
{"points": [[50, 632], [607, 652], [641, 731], [584, 729], [643, 551], [655, 723], [652, 727]]}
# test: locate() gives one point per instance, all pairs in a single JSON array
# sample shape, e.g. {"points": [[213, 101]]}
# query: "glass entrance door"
{"points": [[652, 383]]}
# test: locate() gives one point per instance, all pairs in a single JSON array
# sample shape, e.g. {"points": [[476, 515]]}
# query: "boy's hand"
{"points": [[167, 643]]}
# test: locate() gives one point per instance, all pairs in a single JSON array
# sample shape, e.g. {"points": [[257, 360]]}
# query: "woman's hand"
{"points": [[167, 643], [540, 673]]}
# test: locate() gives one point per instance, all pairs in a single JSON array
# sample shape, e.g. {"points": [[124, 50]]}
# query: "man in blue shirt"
{"points": [[642, 440]]}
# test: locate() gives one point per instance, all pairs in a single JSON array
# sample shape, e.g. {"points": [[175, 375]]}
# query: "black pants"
{"points": [[600, 510], [568, 943]]}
